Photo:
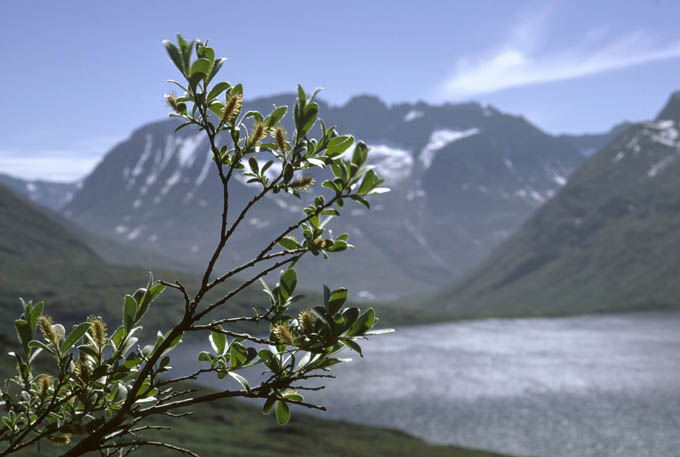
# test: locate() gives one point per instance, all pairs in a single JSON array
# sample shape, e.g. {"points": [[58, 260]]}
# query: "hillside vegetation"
{"points": [[608, 241]]}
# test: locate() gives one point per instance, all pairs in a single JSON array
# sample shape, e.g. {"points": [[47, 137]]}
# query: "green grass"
{"points": [[240, 430]]}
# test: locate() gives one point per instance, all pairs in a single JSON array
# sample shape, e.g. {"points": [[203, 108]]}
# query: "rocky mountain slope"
{"points": [[463, 176], [53, 195], [589, 143], [609, 240]]}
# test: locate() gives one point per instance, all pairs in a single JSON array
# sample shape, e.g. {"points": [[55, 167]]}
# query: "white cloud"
{"points": [[57, 164], [52, 165], [522, 62]]}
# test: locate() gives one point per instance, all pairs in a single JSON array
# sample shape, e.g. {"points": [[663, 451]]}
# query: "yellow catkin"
{"points": [[307, 321], [45, 324], [97, 331], [302, 184], [260, 130], [283, 334], [172, 102], [44, 383], [321, 243], [83, 370], [281, 138], [60, 439], [231, 108]]}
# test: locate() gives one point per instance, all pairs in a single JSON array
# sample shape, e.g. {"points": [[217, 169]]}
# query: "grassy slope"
{"points": [[27, 234], [607, 242]]}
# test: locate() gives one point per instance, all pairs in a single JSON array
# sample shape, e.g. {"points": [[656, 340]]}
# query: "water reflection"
{"points": [[574, 387]]}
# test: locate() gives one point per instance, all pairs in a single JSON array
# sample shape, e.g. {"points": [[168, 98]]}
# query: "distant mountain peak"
{"points": [[672, 109], [463, 176]]}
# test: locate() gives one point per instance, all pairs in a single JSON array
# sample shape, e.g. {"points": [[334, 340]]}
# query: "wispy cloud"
{"points": [[58, 164], [523, 61], [50, 165]]}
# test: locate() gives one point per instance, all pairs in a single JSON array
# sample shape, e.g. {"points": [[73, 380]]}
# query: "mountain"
{"points": [[589, 143], [609, 240], [53, 195], [44, 257], [28, 235], [463, 176]]}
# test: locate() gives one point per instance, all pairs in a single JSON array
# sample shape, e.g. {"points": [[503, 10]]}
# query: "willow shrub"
{"points": [[102, 386]]}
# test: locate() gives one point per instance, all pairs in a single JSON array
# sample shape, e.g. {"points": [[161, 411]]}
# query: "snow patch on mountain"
{"points": [[659, 166], [413, 115], [663, 132], [139, 166], [440, 139], [393, 164], [187, 149]]}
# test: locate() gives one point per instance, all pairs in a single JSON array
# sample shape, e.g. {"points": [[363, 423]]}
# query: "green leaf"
{"points": [[360, 154], [254, 166], [338, 145], [276, 116], [208, 53], [76, 334], [204, 357], [218, 341], [200, 66], [238, 355], [349, 316], [185, 50], [361, 200], [370, 181], [316, 162], [217, 90], [380, 331], [268, 405], [215, 69], [353, 346], [288, 282], [290, 243], [293, 396], [129, 311], [302, 97], [326, 296], [337, 299], [152, 292], [23, 332], [364, 323], [175, 56], [237, 90], [241, 380], [337, 246], [309, 116], [282, 413]]}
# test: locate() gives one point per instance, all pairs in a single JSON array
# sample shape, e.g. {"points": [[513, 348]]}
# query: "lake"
{"points": [[600, 386]]}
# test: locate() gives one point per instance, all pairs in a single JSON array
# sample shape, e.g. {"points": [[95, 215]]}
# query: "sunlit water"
{"points": [[595, 386]]}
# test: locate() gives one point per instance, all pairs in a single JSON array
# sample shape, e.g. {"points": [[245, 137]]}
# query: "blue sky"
{"points": [[78, 76]]}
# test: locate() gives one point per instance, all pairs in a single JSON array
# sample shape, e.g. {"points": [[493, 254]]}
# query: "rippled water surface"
{"points": [[600, 386]]}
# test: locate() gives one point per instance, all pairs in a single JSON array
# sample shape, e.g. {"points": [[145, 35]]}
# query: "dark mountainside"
{"points": [[28, 235], [589, 143], [50, 194], [608, 240], [463, 178]]}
